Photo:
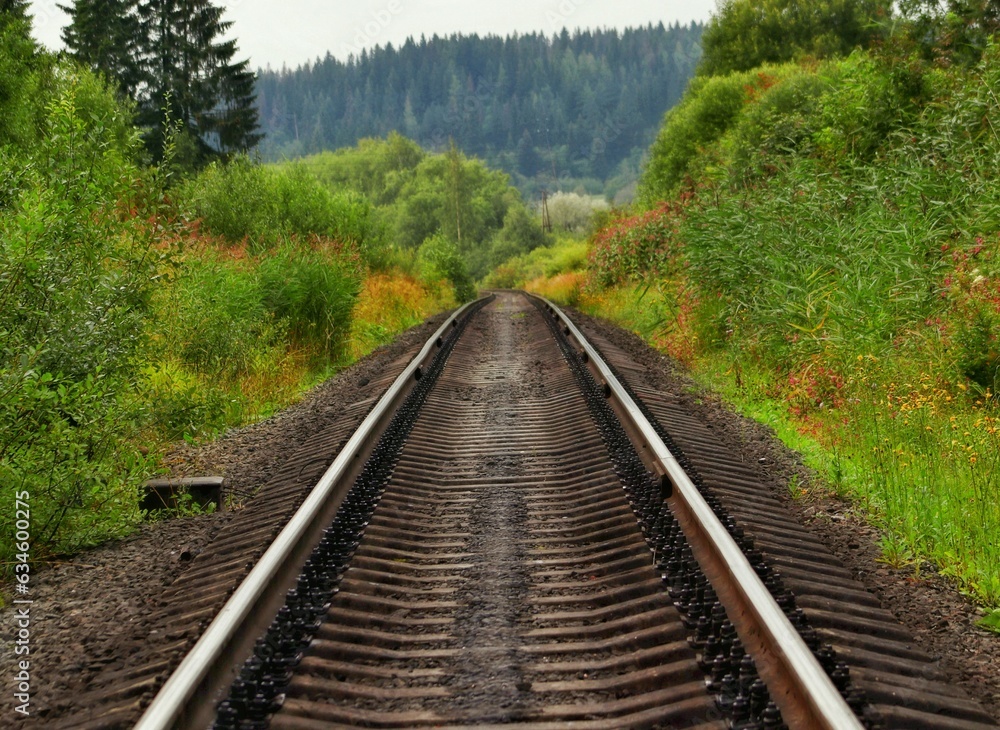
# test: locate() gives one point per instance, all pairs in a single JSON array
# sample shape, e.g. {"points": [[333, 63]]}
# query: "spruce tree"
{"points": [[17, 60], [107, 36], [194, 83], [169, 57]]}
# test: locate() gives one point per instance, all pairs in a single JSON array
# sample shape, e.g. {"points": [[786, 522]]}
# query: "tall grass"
{"points": [[828, 262], [388, 304]]}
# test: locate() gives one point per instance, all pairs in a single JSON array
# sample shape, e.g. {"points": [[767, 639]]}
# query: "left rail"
{"points": [[211, 664]]}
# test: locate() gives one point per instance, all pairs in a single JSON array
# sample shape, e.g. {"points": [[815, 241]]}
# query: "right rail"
{"points": [[799, 685]]}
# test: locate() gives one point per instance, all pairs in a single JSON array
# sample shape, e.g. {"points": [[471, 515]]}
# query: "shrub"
{"points": [[183, 405], [780, 122], [242, 201], [440, 260], [744, 34], [632, 247], [869, 101], [312, 291], [708, 109], [236, 201], [76, 274], [213, 319]]}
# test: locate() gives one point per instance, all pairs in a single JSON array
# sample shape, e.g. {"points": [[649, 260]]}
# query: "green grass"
{"points": [[829, 263], [566, 255]]}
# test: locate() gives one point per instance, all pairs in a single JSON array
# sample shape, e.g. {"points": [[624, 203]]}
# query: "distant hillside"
{"points": [[573, 111]]}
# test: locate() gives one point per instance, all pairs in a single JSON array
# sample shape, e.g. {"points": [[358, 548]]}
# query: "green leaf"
{"points": [[991, 621]]}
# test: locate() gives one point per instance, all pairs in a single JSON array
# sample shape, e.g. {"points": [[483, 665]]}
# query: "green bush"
{"points": [[781, 122], [439, 259], [76, 275], [564, 256], [213, 318], [235, 201], [706, 112], [311, 292], [745, 34], [869, 101], [242, 201], [182, 405]]}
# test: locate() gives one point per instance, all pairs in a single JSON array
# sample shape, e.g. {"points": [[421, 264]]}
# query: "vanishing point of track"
{"points": [[521, 533]]}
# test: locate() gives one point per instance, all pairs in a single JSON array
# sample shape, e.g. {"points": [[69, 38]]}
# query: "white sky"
{"points": [[277, 32]]}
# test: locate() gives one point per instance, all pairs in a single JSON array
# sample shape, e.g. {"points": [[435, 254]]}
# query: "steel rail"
{"points": [[170, 707], [799, 686]]}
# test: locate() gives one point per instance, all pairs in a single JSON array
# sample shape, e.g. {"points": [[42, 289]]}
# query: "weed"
{"points": [[991, 621], [895, 553]]}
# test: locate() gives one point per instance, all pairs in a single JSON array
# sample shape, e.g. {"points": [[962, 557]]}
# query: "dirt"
{"points": [[82, 603], [941, 619]]}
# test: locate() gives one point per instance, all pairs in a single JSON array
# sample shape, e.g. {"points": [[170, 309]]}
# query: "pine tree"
{"points": [[17, 58], [167, 55], [107, 36], [194, 83]]}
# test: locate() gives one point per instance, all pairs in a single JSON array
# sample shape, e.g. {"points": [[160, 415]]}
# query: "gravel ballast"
{"points": [[81, 604]]}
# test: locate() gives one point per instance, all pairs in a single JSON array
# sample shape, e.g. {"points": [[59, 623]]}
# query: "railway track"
{"points": [[531, 535]]}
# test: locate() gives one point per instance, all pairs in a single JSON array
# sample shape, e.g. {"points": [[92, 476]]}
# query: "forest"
{"points": [[572, 112], [815, 237]]}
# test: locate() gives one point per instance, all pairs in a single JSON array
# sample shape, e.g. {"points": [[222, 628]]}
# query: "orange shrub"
{"points": [[388, 304]]}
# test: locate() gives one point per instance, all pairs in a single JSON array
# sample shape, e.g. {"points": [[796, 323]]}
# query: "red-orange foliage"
{"points": [[633, 247]]}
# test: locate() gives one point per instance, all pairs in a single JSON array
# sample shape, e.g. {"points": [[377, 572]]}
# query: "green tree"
{"points": [[571, 106], [107, 37], [745, 34], [440, 259], [168, 56], [457, 197], [520, 234], [17, 56], [958, 30], [194, 83]]}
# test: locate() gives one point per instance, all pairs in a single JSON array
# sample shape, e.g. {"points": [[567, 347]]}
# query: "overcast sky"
{"points": [[277, 32]]}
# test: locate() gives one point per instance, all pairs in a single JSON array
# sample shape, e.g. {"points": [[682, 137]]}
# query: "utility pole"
{"points": [[546, 223]]}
